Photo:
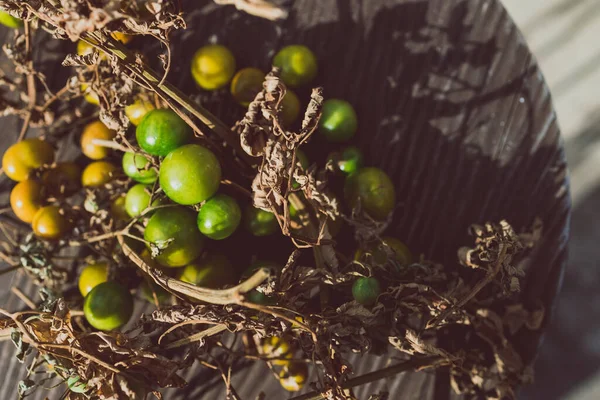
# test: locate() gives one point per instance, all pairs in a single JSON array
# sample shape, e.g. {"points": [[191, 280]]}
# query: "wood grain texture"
{"points": [[451, 104]]}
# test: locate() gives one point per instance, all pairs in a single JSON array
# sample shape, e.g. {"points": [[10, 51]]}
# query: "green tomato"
{"points": [[213, 66], [162, 131], [290, 108], [373, 189], [147, 291], [219, 217], [214, 272], [91, 276], [246, 84], [137, 167], [366, 290], [173, 230], [108, 306], [298, 65], [338, 121], [137, 200], [348, 161], [190, 174], [260, 222], [9, 21]]}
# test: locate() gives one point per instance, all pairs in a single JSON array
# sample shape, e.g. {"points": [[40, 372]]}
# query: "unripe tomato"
{"points": [[298, 65], [91, 276], [23, 157], [9, 21], [49, 223], [214, 271], [219, 217], [174, 231], [293, 376], [26, 199], [117, 208], [246, 84], [98, 173], [190, 174], [96, 130], [373, 189], [213, 66], [366, 290], [290, 108], [162, 131], [277, 347], [108, 306], [338, 121], [260, 222], [137, 167], [63, 179], [137, 199], [138, 110], [349, 160]]}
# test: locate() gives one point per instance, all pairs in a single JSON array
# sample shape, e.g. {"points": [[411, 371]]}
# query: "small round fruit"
{"points": [[96, 130], [121, 37], [137, 167], [117, 209], [137, 199], [108, 306], [49, 223], [366, 290], [213, 66], [63, 179], [338, 121], [97, 174], [219, 217], [190, 174], [290, 108], [174, 231], [91, 276], [298, 65], [89, 94], [26, 199], [162, 131], [213, 272], [349, 160], [260, 222], [148, 290], [23, 157], [277, 347], [9, 21], [293, 376], [246, 84], [400, 252], [138, 110], [373, 189]]}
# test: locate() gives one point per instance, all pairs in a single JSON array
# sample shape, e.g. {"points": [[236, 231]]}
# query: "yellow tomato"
{"points": [[293, 376], [26, 199], [246, 84], [89, 95], [23, 157], [50, 223], [213, 66], [138, 110], [121, 37], [117, 209], [91, 276], [277, 347], [62, 179], [96, 130], [97, 174]]}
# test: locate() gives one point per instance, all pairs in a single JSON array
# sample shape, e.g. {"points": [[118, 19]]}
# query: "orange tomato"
{"points": [[96, 130], [26, 199], [23, 157]]}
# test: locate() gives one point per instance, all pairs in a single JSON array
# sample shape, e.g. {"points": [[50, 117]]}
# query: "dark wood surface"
{"points": [[450, 102]]}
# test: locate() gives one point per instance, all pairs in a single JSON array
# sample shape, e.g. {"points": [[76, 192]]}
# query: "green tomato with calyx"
{"points": [[174, 232], [137, 167]]}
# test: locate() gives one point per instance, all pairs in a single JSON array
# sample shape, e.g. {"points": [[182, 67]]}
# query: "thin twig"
{"points": [[23, 297]]}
